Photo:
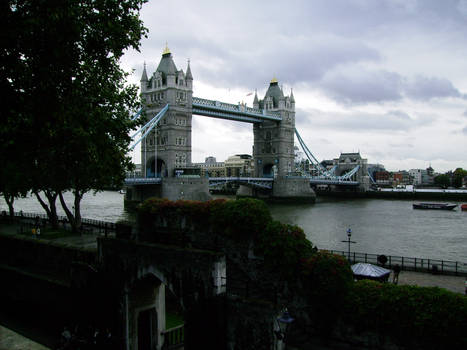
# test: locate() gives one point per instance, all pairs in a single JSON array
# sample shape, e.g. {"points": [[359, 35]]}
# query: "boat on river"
{"points": [[464, 207], [439, 206]]}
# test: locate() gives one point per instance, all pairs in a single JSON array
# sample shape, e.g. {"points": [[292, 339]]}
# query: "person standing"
{"points": [[397, 270]]}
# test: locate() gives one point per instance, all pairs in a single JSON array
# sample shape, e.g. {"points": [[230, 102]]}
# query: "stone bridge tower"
{"points": [[273, 149], [168, 146]]}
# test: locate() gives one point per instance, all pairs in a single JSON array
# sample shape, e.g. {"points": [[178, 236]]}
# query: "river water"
{"points": [[379, 226]]}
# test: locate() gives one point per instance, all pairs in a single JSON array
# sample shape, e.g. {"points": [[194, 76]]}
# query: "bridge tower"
{"points": [[273, 149], [168, 146]]}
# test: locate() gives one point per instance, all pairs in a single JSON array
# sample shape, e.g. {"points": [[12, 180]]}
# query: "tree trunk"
{"points": [[10, 200], [53, 217], [78, 197], [74, 218], [51, 208], [68, 213]]}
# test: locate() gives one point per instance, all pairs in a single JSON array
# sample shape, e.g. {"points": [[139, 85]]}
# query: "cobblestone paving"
{"points": [[10, 340]]}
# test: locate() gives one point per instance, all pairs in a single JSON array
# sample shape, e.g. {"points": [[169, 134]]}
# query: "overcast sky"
{"points": [[387, 78]]}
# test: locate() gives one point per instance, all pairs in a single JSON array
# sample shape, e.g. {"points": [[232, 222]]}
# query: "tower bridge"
{"points": [[167, 169]]}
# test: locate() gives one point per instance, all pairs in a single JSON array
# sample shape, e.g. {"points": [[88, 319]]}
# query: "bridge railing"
{"points": [[445, 267], [233, 107]]}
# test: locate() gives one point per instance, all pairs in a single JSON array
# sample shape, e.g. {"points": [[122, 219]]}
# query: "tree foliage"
{"points": [[458, 177], [70, 102], [442, 180]]}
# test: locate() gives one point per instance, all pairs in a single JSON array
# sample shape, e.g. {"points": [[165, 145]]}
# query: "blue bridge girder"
{"points": [[143, 180], [258, 182], [240, 112], [335, 181]]}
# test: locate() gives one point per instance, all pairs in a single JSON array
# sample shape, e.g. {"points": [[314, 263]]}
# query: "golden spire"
{"points": [[274, 80], [166, 50]]}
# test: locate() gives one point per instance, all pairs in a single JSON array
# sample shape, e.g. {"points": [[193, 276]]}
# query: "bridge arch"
{"points": [[151, 168], [269, 170], [146, 313]]}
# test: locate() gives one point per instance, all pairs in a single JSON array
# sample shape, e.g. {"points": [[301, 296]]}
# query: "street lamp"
{"points": [[283, 322], [349, 234]]}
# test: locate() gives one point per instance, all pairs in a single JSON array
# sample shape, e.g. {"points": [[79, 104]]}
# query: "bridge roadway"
{"points": [[240, 112], [258, 182]]}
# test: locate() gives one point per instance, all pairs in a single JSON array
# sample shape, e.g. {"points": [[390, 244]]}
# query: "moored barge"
{"points": [[439, 206]]}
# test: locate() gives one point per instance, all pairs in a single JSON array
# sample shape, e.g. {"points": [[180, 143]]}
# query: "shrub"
{"points": [[430, 317], [327, 278], [240, 219], [284, 247]]}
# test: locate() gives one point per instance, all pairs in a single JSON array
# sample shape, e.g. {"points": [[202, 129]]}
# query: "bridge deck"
{"points": [[264, 182], [240, 112]]}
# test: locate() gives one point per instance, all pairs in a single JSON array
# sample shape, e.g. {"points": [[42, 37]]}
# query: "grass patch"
{"points": [[56, 233], [172, 320]]}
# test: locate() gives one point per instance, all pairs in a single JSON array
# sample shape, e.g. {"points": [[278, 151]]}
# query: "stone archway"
{"points": [[269, 170], [146, 313], [161, 168]]}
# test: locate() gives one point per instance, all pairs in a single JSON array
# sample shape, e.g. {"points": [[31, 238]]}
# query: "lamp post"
{"points": [[349, 235], [283, 322]]}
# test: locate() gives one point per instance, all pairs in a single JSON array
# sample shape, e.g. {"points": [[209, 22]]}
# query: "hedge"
{"points": [[412, 316]]}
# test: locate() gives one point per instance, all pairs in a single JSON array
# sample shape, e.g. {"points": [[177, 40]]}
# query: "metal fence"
{"points": [[28, 221], [174, 338], [445, 267]]}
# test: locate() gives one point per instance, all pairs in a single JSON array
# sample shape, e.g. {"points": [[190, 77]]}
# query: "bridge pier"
{"points": [[283, 189], [293, 189]]}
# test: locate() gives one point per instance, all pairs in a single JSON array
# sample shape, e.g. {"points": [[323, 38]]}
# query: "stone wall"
{"points": [[185, 188], [293, 189]]}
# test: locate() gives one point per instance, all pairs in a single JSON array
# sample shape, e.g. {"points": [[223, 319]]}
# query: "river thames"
{"points": [[379, 226]]}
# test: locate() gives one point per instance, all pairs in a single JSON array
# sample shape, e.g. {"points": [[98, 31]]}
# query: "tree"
{"points": [[76, 101], [458, 177], [442, 180]]}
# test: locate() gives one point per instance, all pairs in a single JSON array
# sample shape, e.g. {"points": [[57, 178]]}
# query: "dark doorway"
{"points": [[161, 168], [146, 328], [268, 170]]}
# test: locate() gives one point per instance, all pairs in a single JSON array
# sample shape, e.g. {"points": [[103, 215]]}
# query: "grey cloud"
{"points": [[291, 61], [464, 130], [425, 88], [401, 145], [465, 113], [392, 121], [363, 86], [357, 85]]}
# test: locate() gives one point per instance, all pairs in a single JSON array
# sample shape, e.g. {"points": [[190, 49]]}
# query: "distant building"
{"points": [[402, 177], [239, 165], [382, 178], [211, 167], [422, 176], [235, 166]]}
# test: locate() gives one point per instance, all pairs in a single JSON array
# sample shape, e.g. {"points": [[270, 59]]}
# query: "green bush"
{"points": [[284, 247], [327, 278], [241, 218], [429, 316]]}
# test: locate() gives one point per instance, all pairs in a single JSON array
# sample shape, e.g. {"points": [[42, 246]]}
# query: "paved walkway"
{"points": [[10, 340], [87, 240], [452, 283]]}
